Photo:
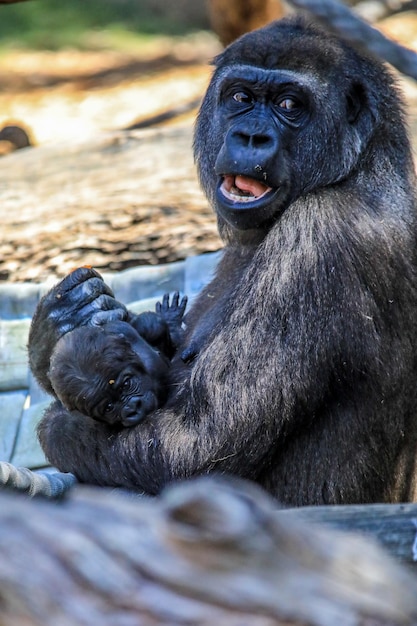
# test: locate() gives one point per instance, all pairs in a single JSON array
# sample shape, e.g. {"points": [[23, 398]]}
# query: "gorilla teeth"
{"points": [[242, 188]]}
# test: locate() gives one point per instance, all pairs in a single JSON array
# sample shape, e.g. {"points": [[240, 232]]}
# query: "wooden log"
{"points": [[393, 526], [206, 552], [117, 201]]}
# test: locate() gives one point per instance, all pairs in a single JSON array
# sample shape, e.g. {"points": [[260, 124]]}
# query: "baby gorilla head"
{"points": [[109, 373]]}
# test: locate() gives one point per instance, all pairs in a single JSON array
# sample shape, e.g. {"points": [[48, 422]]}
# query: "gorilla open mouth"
{"points": [[243, 189], [246, 202]]}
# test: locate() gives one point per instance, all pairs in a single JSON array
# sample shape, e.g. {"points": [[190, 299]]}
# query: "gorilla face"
{"points": [[125, 399], [261, 119], [275, 133]]}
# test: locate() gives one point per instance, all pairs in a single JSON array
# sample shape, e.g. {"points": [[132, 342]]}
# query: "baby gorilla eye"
{"points": [[109, 407]]}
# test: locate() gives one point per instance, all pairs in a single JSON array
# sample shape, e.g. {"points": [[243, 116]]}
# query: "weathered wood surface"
{"points": [[121, 200], [206, 552], [393, 526]]}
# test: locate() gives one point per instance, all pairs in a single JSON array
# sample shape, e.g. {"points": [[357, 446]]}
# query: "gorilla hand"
{"points": [[173, 312], [81, 298]]}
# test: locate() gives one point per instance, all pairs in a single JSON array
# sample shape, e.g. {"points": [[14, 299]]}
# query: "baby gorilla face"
{"points": [[108, 373], [128, 398]]}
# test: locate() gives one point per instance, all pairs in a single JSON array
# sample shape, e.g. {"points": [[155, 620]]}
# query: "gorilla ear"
{"points": [[217, 60], [361, 111]]}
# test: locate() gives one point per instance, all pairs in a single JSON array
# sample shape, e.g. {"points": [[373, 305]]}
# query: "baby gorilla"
{"points": [[117, 372]]}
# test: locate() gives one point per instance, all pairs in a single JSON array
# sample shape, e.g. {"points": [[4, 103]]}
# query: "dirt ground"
{"points": [[68, 96]]}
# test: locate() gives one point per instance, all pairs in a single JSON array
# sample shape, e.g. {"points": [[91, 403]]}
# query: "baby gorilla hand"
{"points": [[81, 298], [172, 313]]}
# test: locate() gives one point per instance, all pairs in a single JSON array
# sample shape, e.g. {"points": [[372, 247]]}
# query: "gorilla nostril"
{"points": [[242, 139], [252, 140], [258, 141]]}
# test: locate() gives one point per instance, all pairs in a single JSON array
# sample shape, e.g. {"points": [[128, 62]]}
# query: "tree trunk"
{"points": [[206, 552]]}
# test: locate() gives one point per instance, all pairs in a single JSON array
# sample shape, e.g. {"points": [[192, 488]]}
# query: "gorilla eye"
{"points": [[291, 108], [126, 383], [242, 97], [289, 104], [109, 407]]}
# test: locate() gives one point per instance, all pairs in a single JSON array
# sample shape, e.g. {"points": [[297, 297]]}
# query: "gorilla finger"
{"points": [[175, 300], [183, 304], [76, 277], [158, 308], [112, 315], [66, 326], [90, 290], [106, 302], [165, 302], [189, 354]]}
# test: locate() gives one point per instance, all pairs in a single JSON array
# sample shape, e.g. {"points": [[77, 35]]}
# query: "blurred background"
{"points": [[69, 68]]}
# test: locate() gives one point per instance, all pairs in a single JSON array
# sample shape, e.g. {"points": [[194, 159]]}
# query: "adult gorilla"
{"points": [[305, 342]]}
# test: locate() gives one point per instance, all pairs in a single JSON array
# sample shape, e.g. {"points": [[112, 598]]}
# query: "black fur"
{"points": [[305, 379]]}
